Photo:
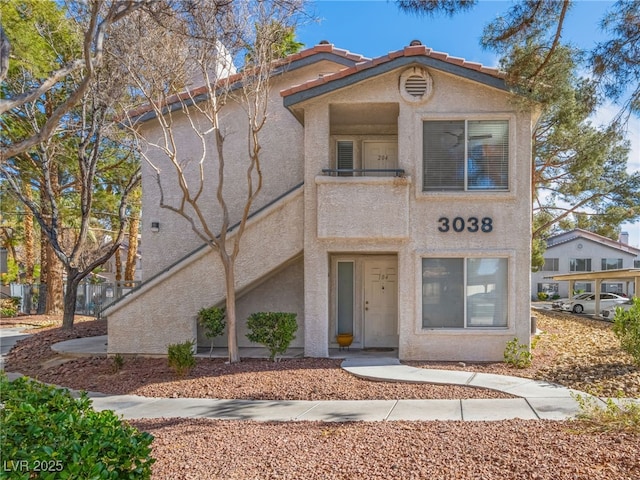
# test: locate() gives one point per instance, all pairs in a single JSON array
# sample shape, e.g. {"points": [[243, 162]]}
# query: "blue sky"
{"points": [[375, 27]]}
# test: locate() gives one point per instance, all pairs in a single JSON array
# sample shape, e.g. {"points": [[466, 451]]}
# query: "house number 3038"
{"points": [[471, 224]]}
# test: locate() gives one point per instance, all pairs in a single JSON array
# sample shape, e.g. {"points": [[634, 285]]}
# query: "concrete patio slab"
{"points": [[82, 347]]}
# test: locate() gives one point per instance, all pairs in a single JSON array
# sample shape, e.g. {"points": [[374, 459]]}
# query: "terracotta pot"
{"points": [[344, 339]]}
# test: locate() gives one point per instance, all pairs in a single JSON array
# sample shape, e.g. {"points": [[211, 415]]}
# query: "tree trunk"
{"points": [[55, 283], [232, 328], [44, 276], [55, 269], [29, 241], [134, 227], [73, 280], [118, 261]]}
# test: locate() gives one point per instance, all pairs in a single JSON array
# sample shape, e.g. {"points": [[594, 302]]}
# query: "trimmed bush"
{"points": [[274, 330], [626, 326], [543, 296], [48, 434], [181, 357], [212, 320]]}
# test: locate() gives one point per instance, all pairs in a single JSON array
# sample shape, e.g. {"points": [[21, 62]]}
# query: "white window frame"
{"points": [[466, 328], [554, 268], [509, 193], [467, 154], [588, 264], [605, 260]]}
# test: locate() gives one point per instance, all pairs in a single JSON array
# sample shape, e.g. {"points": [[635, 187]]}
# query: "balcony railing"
{"points": [[337, 172]]}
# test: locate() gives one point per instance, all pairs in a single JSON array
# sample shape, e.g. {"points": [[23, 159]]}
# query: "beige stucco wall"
{"points": [[164, 310], [281, 292], [281, 157], [331, 216], [452, 98], [362, 207]]}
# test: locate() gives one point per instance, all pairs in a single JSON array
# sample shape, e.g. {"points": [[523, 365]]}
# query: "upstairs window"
{"points": [[464, 155], [580, 265], [611, 263], [551, 265]]}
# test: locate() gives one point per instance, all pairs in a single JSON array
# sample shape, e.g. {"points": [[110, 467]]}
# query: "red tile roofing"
{"points": [[366, 63]]}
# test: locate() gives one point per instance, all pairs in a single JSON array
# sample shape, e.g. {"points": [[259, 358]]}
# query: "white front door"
{"points": [[380, 303], [380, 155]]}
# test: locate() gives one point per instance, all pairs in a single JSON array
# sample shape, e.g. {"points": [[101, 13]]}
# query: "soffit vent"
{"points": [[415, 85]]}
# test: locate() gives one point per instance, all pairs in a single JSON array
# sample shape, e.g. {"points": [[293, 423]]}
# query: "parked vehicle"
{"points": [[609, 313], [586, 302], [558, 303]]}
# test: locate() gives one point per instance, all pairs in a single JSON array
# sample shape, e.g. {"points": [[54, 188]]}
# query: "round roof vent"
{"points": [[415, 85]]}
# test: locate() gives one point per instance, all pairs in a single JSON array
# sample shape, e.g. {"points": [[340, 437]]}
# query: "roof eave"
{"points": [[447, 67], [297, 63]]}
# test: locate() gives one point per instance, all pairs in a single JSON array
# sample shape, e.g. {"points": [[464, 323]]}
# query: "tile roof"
{"points": [[354, 63], [322, 50], [366, 63], [578, 233]]}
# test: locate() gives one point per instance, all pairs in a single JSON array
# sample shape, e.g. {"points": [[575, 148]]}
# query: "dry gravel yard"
{"points": [[575, 352]]}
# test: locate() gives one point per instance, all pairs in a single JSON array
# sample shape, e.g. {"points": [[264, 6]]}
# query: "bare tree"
{"points": [[98, 16], [209, 34]]}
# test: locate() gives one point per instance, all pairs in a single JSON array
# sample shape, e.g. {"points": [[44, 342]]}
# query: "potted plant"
{"points": [[344, 340]]}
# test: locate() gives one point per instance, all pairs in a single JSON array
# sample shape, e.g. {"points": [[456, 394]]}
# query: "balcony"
{"points": [[364, 172], [363, 207]]}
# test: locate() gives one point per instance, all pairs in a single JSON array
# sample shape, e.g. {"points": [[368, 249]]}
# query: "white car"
{"points": [[586, 302], [609, 313]]}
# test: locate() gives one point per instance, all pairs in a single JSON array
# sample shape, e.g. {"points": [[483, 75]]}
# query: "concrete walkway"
{"points": [[536, 399]]}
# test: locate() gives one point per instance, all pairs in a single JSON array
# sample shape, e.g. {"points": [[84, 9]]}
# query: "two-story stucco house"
{"points": [[396, 207], [580, 251]]}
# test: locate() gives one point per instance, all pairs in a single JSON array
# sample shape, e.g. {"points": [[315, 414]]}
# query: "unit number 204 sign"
{"points": [[471, 224]]}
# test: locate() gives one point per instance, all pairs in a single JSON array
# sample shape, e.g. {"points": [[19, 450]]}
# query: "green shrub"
{"points": [[118, 362], [615, 415], [181, 357], [212, 320], [542, 296], [48, 434], [626, 327], [517, 354], [274, 330]]}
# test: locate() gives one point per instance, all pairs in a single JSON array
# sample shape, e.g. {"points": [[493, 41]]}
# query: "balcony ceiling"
{"points": [[364, 114]]}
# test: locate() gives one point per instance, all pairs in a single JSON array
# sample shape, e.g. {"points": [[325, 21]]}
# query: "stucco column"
{"points": [[316, 262]]}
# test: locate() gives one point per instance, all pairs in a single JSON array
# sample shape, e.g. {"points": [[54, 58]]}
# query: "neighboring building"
{"points": [[109, 268], [396, 206], [582, 251]]}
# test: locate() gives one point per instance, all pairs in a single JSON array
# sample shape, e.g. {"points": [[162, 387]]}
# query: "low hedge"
{"points": [[48, 434]]}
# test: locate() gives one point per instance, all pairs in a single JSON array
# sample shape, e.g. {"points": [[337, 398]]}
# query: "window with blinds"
{"points": [[344, 157], [466, 155], [465, 292]]}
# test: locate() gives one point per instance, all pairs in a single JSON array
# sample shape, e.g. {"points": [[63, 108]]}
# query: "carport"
{"points": [[628, 275]]}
